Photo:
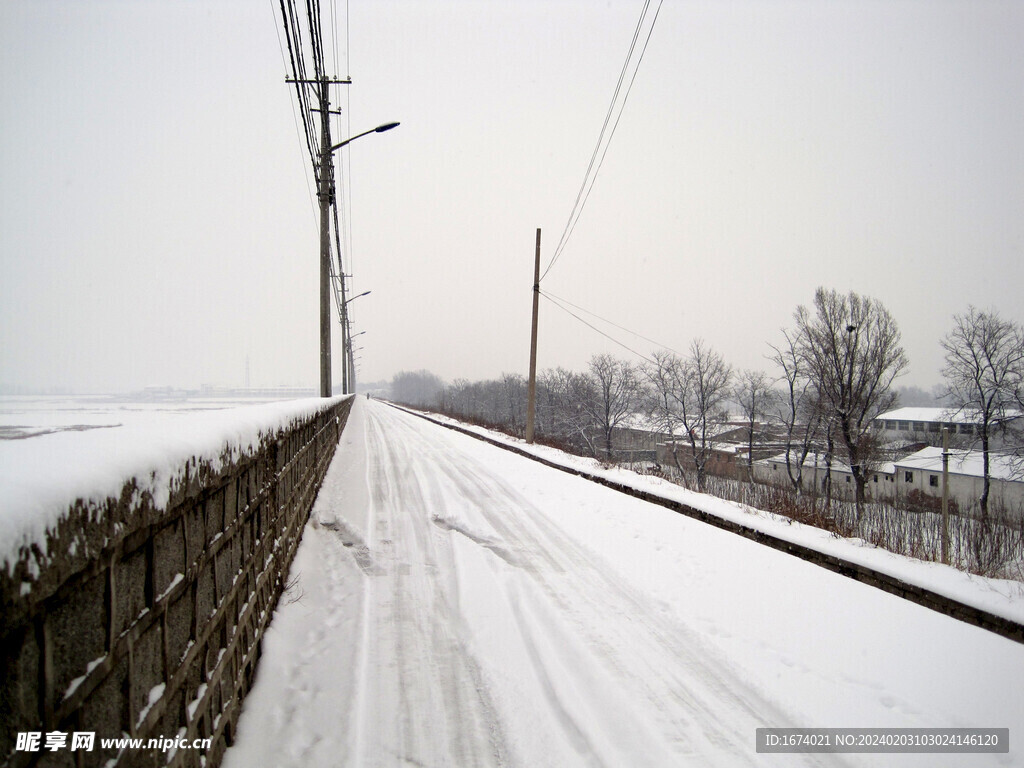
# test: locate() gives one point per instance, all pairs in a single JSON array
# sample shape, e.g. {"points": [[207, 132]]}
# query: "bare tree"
{"points": [[852, 347], [664, 377], [569, 399], [984, 372], [688, 399], [618, 394], [796, 406], [707, 378], [513, 388], [754, 395]]}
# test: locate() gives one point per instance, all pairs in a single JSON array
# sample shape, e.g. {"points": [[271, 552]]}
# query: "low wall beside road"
{"points": [[148, 621]]}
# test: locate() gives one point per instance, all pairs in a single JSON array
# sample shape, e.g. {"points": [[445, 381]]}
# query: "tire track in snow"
{"points": [[704, 713], [702, 692], [418, 676]]}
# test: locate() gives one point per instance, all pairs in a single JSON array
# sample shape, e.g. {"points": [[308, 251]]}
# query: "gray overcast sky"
{"points": [[157, 223]]}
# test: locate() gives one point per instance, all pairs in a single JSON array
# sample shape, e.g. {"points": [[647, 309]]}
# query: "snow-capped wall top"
{"points": [[57, 452]]}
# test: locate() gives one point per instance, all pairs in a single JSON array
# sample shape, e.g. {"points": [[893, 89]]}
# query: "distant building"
{"points": [[881, 479], [917, 475], [922, 471], [906, 424]]}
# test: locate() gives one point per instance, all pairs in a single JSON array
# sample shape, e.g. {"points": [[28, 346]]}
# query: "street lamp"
{"points": [[347, 379], [326, 195], [378, 129]]}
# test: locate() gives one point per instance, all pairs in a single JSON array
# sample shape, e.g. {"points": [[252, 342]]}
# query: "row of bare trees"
{"points": [[835, 371]]}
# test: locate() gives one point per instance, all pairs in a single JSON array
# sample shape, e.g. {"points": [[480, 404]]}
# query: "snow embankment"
{"points": [[1000, 597], [45, 474]]}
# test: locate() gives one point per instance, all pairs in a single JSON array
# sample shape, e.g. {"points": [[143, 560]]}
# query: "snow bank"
{"points": [[93, 453], [1001, 597]]}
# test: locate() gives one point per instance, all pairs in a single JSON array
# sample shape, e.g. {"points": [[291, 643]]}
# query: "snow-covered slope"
{"points": [[1001, 597]]}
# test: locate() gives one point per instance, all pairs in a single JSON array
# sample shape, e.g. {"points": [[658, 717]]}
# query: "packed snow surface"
{"points": [[453, 604]]}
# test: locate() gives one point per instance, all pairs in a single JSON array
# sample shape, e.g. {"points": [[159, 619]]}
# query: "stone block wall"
{"points": [[149, 626]]}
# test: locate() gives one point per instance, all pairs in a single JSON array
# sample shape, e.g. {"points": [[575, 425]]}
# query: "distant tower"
{"points": [[247, 372]]}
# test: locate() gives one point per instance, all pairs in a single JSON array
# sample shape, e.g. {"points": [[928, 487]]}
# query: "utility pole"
{"points": [[945, 495], [344, 340], [351, 367], [325, 194], [531, 390]]}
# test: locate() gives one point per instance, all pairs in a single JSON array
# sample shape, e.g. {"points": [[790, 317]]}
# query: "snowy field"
{"points": [[453, 604]]}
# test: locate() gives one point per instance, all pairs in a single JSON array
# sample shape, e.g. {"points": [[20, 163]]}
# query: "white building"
{"points": [[909, 424], [922, 471], [881, 479]]}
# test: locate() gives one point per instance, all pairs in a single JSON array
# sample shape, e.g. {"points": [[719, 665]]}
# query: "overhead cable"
{"points": [[596, 329], [295, 115], [550, 295], [605, 137]]}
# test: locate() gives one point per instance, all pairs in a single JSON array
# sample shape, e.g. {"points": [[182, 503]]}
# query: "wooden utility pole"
{"points": [[531, 388]]}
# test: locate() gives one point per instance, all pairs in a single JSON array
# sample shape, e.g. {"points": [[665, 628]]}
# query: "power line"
{"points": [[295, 116], [293, 35], [345, 159], [548, 294], [594, 328], [590, 177]]}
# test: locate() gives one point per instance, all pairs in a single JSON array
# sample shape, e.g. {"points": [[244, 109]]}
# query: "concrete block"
{"points": [[147, 670], [214, 516], [106, 709], [230, 501], [179, 628], [211, 658], [206, 596], [19, 687], [195, 531], [245, 539], [236, 556], [168, 555], [173, 717], [194, 677], [224, 573], [252, 483], [129, 589], [78, 633]]}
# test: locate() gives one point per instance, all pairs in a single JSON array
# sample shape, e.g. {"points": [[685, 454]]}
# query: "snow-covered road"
{"points": [[457, 605]]}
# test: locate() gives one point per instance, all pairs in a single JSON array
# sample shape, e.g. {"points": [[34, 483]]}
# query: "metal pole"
{"points": [[531, 390], [945, 495], [326, 174]]}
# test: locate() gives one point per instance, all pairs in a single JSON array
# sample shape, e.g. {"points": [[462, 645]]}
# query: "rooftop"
{"points": [[918, 413], [971, 463]]}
